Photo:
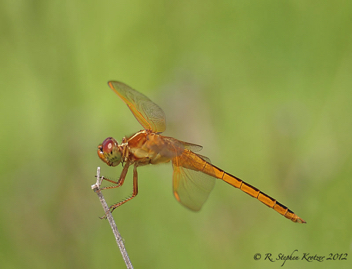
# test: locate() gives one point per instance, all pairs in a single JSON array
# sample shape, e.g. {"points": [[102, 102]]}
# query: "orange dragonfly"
{"points": [[193, 174]]}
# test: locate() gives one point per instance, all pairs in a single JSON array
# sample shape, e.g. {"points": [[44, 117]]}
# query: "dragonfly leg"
{"points": [[135, 191], [120, 181]]}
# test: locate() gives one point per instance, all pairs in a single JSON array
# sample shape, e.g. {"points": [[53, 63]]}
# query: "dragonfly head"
{"points": [[109, 152]]}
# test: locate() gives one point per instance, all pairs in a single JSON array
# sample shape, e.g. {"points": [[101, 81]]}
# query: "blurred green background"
{"points": [[264, 86]]}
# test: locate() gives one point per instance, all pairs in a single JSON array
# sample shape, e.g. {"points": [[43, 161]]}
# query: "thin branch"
{"points": [[119, 240]]}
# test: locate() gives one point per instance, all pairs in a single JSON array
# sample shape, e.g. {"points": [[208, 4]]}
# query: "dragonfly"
{"points": [[193, 174]]}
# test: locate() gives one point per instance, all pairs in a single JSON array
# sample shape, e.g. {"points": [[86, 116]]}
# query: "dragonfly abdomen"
{"points": [[252, 191]]}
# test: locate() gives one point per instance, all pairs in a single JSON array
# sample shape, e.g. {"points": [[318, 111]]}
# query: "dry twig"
{"points": [[119, 240]]}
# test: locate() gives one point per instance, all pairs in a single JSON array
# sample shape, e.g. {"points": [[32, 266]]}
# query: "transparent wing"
{"points": [[171, 147], [191, 187], [182, 144], [190, 146], [148, 114]]}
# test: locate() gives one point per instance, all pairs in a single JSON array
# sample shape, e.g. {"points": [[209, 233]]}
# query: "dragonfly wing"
{"points": [[148, 114], [192, 147], [191, 187], [183, 144]]}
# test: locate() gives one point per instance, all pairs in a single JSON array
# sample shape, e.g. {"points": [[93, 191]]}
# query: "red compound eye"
{"points": [[108, 145]]}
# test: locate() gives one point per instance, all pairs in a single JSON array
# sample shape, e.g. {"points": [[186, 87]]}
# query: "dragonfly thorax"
{"points": [[149, 148]]}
